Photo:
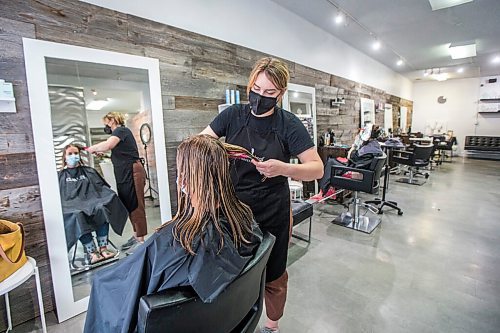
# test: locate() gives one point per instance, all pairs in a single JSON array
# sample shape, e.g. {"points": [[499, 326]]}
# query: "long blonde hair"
{"points": [[276, 71], [203, 172], [118, 117]]}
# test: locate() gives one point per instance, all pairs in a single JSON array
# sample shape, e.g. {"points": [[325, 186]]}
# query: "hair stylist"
{"points": [[274, 134], [129, 172]]}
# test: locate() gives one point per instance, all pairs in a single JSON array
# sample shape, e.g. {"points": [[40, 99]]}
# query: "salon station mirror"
{"points": [[70, 90], [301, 101]]}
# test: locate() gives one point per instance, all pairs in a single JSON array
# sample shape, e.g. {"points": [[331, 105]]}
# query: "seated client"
{"points": [[364, 149], [89, 205], [206, 245]]}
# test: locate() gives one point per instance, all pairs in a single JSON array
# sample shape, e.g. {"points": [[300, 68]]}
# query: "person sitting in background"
{"points": [[206, 245], [364, 149], [88, 204]]}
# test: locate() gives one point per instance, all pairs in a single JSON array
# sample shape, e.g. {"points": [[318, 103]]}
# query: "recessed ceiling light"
{"points": [[440, 4], [462, 51], [339, 18], [376, 45], [295, 94], [97, 105], [496, 60], [400, 62], [460, 70]]}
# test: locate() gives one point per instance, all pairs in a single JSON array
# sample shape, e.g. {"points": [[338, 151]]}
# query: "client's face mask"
{"points": [[261, 104], [107, 129], [72, 160]]}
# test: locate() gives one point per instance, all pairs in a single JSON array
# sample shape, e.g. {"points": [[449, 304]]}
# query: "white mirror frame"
{"points": [[35, 52], [304, 89]]}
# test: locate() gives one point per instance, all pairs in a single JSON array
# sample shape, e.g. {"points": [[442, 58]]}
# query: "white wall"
{"points": [[267, 27], [459, 113]]}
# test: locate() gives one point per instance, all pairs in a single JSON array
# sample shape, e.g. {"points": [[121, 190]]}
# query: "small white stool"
{"points": [[15, 280], [296, 189]]}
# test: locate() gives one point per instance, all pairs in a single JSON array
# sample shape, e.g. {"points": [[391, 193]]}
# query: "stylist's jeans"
{"points": [[138, 216]]}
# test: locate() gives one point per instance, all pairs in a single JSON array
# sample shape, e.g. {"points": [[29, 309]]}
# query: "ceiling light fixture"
{"points": [[440, 4], [377, 44], [496, 60], [93, 92], [339, 18], [400, 62], [460, 70], [97, 104], [462, 51]]}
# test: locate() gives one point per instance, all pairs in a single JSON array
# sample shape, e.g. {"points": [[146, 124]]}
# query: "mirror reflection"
{"points": [[104, 151]]}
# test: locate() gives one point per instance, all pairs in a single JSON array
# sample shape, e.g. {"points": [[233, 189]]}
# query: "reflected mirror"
{"points": [[97, 229], [86, 202], [301, 101]]}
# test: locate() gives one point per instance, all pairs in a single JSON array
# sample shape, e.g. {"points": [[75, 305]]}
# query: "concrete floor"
{"points": [[434, 269]]}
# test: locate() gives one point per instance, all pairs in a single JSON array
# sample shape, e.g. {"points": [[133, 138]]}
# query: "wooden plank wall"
{"points": [[195, 71]]}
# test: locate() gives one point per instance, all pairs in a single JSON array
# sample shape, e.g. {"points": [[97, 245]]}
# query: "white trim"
{"points": [[35, 52]]}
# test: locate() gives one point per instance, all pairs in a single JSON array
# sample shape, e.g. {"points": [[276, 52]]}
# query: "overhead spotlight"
{"points": [[460, 70], [400, 62], [376, 45], [339, 18], [496, 60]]}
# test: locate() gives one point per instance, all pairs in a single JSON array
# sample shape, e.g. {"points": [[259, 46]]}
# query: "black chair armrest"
{"points": [[338, 180]]}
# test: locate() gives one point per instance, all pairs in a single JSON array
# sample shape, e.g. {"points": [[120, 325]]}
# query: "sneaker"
{"points": [[132, 249], [269, 330], [129, 243], [318, 196], [331, 191]]}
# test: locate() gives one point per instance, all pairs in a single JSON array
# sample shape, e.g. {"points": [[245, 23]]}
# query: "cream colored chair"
{"points": [[15, 280]]}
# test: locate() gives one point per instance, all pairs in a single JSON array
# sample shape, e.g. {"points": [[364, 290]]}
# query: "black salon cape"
{"points": [[88, 202], [161, 263]]}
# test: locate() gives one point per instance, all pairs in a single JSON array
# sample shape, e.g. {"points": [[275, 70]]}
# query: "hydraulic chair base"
{"points": [[365, 224], [358, 222], [411, 181]]}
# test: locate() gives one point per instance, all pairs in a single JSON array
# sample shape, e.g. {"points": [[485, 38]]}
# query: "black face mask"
{"points": [[107, 129], [261, 104]]}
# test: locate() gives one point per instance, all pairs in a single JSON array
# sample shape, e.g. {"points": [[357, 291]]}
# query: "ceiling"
{"points": [[410, 30], [121, 87]]}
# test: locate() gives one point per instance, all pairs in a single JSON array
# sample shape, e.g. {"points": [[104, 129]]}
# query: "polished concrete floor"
{"points": [[434, 269]]}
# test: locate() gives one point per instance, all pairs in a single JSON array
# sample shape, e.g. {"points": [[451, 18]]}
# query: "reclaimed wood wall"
{"points": [[195, 71]]}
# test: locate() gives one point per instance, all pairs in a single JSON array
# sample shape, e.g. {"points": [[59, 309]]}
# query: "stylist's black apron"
{"points": [[269, 200], [124, 175]]}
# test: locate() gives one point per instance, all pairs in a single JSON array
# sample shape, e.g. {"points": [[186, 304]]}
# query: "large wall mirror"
{"points": [[301, 101], [71, 89]]}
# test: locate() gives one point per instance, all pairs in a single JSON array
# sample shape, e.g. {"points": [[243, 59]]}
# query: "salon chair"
{"points": [[415, 160], [446, 146], [236, 309], [370, 183], [301, 211]]}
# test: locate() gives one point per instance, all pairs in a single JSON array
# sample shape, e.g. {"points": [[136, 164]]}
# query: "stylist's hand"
{"points": [[271, 168]]}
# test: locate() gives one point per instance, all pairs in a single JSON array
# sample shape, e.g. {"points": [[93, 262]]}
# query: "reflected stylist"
{"points": [[129, 172], [274, 134]]}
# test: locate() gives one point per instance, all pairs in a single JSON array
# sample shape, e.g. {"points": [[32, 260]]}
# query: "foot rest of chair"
{"points": [[301, 210]]}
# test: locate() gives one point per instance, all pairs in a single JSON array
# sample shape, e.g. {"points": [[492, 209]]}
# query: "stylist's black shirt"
{"points": [[289, 128], [125, 152]]}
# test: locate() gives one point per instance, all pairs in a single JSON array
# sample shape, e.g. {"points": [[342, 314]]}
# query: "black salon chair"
{"points": [[370, 183], [236, 309], [419, 158], [446, 146]]}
